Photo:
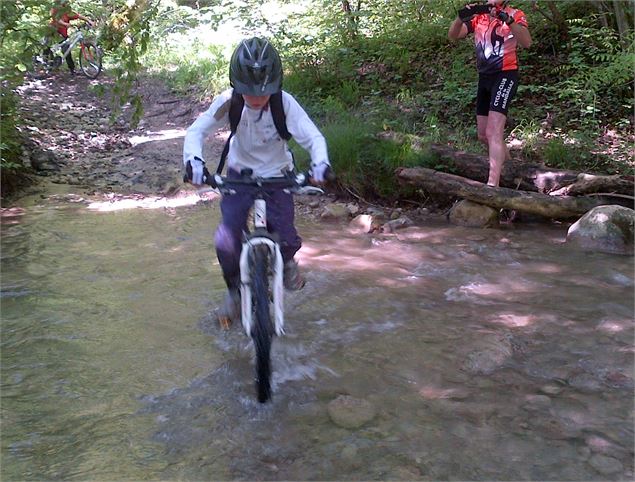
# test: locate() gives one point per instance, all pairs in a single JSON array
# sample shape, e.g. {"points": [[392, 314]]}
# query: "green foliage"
{"points": [[22, 25], [189, 64], [556, 153], [597, 66], [8, 131], [10, 140], [380, 78], [122, 31], [528, 131], [25, 23], [576, 151], [126, 36], [349, 93]]}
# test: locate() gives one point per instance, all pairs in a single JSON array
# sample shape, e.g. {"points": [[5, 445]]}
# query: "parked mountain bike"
{"points": [[261, 269], [52, 56]]}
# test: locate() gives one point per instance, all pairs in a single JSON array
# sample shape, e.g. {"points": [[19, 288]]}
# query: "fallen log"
{"points": [[554, 207], [530, 176], [589, 184]]}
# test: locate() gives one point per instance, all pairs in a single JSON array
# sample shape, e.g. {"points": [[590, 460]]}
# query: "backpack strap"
{"points": [[279, 117], [236, 110]]}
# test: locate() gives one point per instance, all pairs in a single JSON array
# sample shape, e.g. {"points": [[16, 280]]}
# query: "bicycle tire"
{"points": [[90, 59], [43, 64], [262, 330], [40, 69]]}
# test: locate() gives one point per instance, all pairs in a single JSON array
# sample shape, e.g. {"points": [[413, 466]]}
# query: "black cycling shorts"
{"points": [[495, 92]]}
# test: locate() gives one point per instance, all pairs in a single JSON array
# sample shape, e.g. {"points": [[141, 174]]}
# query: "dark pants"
{"points": [[235, 210], [69, 57]]}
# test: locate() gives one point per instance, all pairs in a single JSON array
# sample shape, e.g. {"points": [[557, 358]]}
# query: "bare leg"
{"points": [[481, 127], [498, 152]]}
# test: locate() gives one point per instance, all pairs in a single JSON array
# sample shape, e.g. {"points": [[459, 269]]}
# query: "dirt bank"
{"points": [[72, 140], [74, 147]]}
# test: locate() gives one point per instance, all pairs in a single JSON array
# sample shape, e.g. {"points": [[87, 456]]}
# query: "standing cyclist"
{"points": [[498, 29], [61, 16], [255, 75]]}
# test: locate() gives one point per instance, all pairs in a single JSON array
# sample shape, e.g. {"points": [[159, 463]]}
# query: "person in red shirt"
{"points": [[498, 30], [61, 16]]}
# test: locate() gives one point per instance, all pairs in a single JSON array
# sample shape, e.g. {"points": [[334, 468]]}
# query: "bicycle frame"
{"points": [[74, 39], [261, 237]]}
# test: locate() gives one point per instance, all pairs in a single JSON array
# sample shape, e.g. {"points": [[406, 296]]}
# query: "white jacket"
{"points": [[256, 143]]}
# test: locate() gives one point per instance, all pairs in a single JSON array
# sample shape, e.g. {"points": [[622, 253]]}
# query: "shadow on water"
{"points": [[495, 354]]}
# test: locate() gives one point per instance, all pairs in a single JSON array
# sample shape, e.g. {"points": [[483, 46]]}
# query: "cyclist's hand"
{"points": [[471, 9], [505, 17], [320, 171], [196, 172]]}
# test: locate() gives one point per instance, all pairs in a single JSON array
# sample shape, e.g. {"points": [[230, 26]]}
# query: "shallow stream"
{"points": [[486, 354]]}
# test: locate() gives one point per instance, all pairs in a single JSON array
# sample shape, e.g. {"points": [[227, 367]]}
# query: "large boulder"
{"points": [[468, 213], [45, 161], [607, 229]]}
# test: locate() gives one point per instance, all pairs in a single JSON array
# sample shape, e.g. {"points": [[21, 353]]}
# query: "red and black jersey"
{"points": [[64, 17], [495, 42]]}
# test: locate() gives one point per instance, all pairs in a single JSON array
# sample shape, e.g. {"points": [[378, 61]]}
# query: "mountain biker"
{"points": [[498, 30], [255, 73], [61, 16]]}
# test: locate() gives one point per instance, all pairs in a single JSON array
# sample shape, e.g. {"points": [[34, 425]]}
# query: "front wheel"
{"points": [[90, 59], [262, 331], [44, 63], [40, 68]]}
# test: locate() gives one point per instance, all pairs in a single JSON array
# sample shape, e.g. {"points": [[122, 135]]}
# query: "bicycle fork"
{"points": [[260, 238]]}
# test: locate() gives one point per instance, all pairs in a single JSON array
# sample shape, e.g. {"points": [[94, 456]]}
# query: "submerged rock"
{"points": [[491, 352], [584, 382], [555, 428], [605, 465], [551, 389], [399, 223], [535, 403], [349, 412]]}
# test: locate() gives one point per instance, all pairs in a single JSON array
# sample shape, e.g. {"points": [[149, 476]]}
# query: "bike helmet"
{"points": [[255, 68]]}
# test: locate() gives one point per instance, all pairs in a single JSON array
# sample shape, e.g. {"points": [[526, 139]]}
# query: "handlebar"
{"points": [[289, 180]]}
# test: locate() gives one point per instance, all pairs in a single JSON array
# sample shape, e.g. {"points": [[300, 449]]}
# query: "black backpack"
{"points": [[235, 111]]}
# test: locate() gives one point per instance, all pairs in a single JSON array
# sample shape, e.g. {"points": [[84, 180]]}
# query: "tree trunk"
{"points": [[559, 20], [532, 177], [620, 20], [516, 174], [351, 20], [497, 197], [604, 10]]}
